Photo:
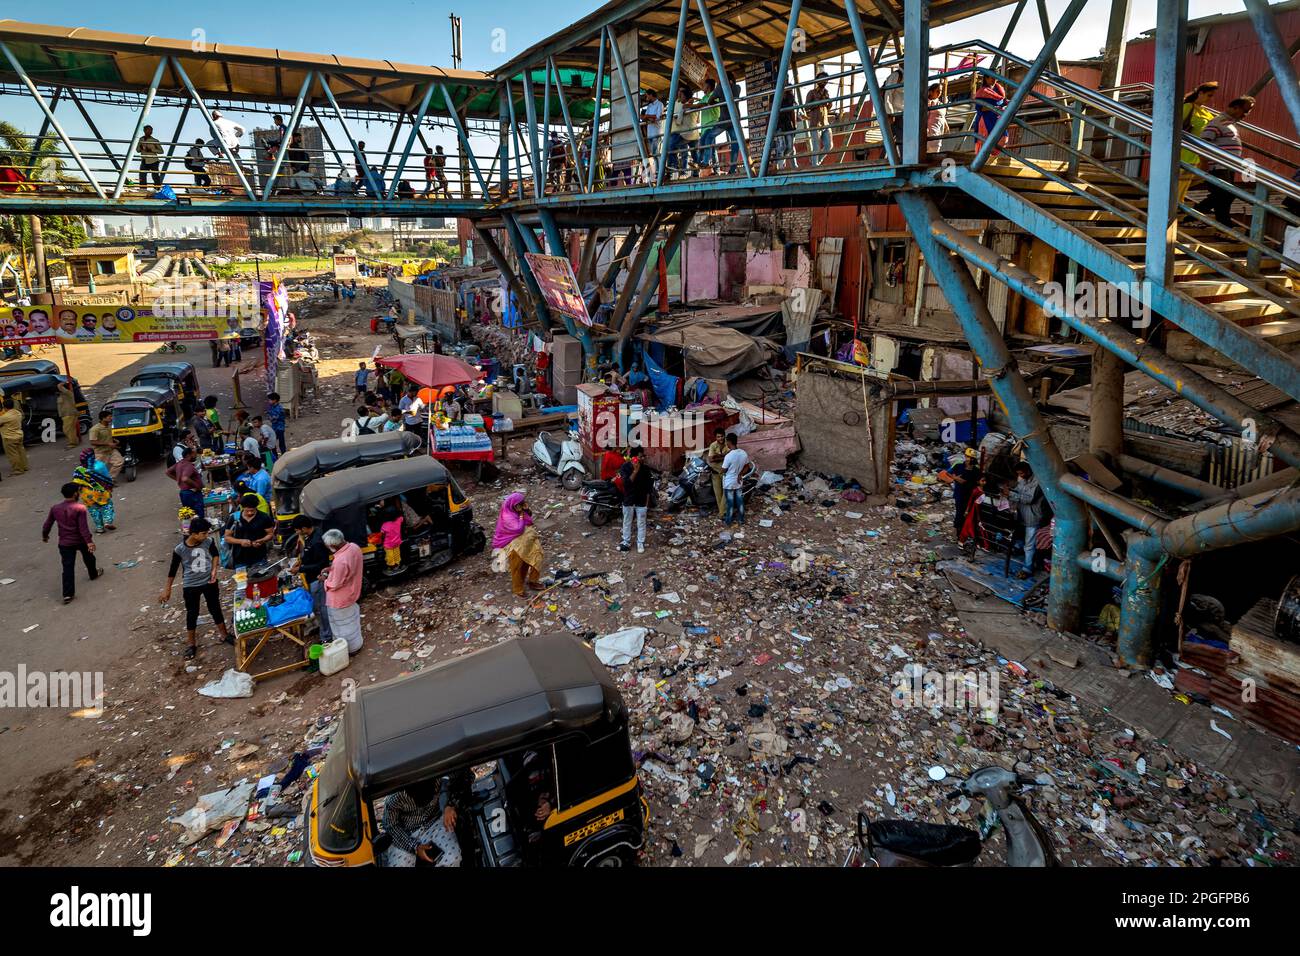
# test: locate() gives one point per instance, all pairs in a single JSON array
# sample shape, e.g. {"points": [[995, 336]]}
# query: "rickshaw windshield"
{"points": [[158, 381], [132, 417], [338, 810], [286, 500]]}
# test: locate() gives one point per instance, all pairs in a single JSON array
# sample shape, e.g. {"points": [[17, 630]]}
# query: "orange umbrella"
{"points": [[432, 370]]}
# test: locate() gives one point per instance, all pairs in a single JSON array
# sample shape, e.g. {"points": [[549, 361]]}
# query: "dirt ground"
{"points": [[762, 710]]}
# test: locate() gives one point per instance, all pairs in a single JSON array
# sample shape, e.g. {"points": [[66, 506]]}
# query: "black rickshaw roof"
{"points": [[22, 383], [517, 694], [300, 465], [154, 394], [178, 370], [29, 367], [361, 486]]}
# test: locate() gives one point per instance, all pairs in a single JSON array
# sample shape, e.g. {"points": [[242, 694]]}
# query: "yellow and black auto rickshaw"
{"points": [[179, 376], [29, 367], [37, 397], [298, 466], [535, 724], [355, 502], [145, 420]]}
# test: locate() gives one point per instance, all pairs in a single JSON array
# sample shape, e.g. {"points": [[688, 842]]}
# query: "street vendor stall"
{"points": [[447, 442], [270, 608]]}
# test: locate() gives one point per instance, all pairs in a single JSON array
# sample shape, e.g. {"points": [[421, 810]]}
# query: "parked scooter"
{"points": [[913, 843], [695, 485], [562, 457]]}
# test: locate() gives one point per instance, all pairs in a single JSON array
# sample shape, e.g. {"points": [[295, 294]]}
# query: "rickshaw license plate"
{"points": [[423, 549]]}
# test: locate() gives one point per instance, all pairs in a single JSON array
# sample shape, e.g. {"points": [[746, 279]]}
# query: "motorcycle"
{"points": [[695, 485], [604, 500], [562, 457], [913, 843]]}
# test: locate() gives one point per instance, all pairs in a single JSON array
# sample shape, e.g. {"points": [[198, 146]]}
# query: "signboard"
{"points": [[87, 325], [345, 267], [559, 286], [694, 69]]}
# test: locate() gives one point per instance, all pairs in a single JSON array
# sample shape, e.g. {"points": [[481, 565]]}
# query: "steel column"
{"points": [[1170, 40], [216, 134], [552, 233], [916, 73], [139, 127], [873, 84], [463, 135], [1279, 57], [568, 123], [416, 120], [85, 115], [329, 140], [671, 103], [546, 124], [35, 151], [1017, 402], [176, 136], [1139, 600], [514, 132], [530, 116], [732, 109], [289, 130], [1174, 375], [49, 115], [1045, 56], [633, 104], [503, 264], [667, 250], [371, 182], [594, 150], [636, 269], [783, 67], [515, 233]]}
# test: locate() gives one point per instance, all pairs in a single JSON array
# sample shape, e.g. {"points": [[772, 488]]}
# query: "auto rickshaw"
{"points": [[37, 396], [354, 501], [528, 720], [179, 376], [30, 367], [145, 421], [298, 466]]}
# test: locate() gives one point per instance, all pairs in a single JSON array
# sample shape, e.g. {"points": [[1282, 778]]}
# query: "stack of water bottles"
{"points": [[461, 438]]}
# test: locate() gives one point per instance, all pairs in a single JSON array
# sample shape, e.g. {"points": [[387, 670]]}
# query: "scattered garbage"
{"points": [[232, 683], [620, 647]]}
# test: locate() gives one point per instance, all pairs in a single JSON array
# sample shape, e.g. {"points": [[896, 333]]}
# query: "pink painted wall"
{"points": [[702, 267]]}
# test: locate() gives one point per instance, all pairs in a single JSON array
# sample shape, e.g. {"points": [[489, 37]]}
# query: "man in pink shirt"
{"points": [[343, 579]]}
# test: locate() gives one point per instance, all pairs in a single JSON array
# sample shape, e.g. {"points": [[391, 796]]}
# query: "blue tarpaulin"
{"points": [[664, 385]]}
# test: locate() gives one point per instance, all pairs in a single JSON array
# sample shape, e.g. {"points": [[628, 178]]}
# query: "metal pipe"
{"points": [[673, 84], [1013, 394], [1167, 477], [873, 84], [1232, 523], [774, 110], [462, 135], [289, 130], [413, 136], [85, 115], [515, 234], [1102, 564], [371, 182], [1139, 600], [1279, 479], [49, 115], [916, 55], [530, 116], [595, 116], [1180, 378], [1166, 138], [1113, 504], [568, 121], [1048, 52], [647, 286], [499, 258], [1279, 59], [719, 66]]}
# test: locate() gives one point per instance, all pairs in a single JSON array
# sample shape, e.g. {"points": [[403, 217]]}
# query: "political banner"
{"points": [[345, 267], [559, 286], [103, 325]]}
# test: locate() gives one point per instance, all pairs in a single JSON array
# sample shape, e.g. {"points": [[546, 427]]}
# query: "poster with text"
{"points": [[103, 325], [559, 286]]}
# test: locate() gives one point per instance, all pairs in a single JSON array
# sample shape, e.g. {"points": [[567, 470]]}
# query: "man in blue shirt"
{"points": [[275, 417], [255, 476], [361, 379]]}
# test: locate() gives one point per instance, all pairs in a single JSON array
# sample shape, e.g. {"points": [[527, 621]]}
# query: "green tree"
{"points": [[60, 233]]}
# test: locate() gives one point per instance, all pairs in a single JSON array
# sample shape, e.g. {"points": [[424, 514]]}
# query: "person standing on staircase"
{"points": [[1196, 116], [1222, 132]]}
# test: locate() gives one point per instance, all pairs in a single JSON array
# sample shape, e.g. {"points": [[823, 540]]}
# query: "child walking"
{"points": [[391, 530]]}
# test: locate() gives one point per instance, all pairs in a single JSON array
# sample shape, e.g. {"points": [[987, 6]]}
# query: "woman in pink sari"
{"points": [[990, 99], [516, 540]]}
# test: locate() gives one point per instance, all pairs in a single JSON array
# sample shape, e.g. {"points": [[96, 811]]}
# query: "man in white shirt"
{"points": [[733, 463], [652, 114], [229, 131]]}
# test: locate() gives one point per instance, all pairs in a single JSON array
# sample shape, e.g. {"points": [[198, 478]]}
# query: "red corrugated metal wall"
{"points": [[1230, 53], [842, 222]]}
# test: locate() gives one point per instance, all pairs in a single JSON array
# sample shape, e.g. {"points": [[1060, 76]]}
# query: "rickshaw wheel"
{"points": [[621, 857], [129, 471]]}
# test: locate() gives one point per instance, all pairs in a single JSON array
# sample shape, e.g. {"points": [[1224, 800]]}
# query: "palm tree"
{"points": [[18, 232]]}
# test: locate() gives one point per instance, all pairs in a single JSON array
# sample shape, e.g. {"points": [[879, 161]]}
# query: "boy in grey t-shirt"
{"points": [[197, 559]]}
